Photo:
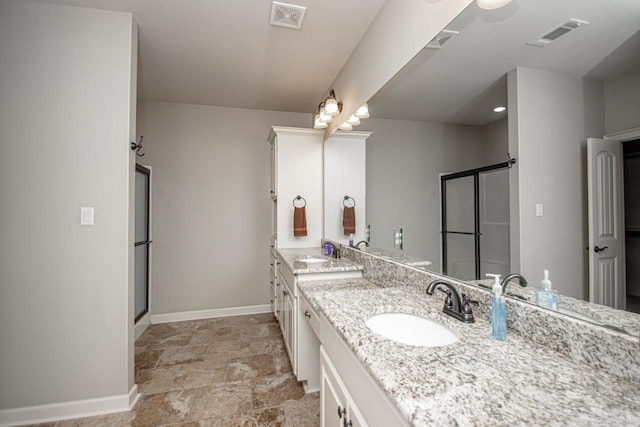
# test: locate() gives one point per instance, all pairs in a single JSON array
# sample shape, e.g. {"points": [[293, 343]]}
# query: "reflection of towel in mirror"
{"points": [[349, 220], [299, 222]]}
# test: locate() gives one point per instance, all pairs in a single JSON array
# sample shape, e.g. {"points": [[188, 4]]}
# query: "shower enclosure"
{"points": [[475, 222]]}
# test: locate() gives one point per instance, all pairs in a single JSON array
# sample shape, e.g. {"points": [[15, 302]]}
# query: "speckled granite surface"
{"points": [[477, 381], [593, 345], [397, 256], [332, 265]]}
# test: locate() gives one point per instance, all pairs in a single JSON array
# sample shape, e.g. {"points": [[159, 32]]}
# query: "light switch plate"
{"points": [[539, 210], [86, 216]]}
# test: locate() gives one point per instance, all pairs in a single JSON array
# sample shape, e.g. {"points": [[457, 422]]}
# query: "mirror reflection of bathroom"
{"points": [[436, 118]]}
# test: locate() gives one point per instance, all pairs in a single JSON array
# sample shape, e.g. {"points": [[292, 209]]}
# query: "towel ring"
{"points": [[299, 197], [346, 199]]}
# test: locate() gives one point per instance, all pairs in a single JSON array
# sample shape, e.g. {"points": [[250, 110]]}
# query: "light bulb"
{"points": [[317, 123], [324, 117], [362, 112], [331, 107], [353, 120], [345, 126]]}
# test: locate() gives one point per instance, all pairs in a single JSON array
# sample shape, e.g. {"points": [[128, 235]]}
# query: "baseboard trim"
{"points": [[208, 314], [141, 325], [67, 410]]}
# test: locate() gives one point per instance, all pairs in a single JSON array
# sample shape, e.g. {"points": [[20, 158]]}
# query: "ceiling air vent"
{"points": [[287, 15], [558, 32], [443, 36]]}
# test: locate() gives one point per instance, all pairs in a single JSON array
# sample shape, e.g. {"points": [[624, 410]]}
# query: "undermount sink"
{"points": [[313, 260], [411, 330]]}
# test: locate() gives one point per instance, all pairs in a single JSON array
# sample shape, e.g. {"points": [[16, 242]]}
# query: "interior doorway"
{"points": [[631, 169], [142, 248]]}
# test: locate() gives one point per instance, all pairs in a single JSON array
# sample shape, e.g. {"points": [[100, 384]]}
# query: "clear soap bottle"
{"points": [[496, 282], [499, 321]]}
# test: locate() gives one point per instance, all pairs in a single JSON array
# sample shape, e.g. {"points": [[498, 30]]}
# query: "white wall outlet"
{"points": [[539, 209], [86, 216]]}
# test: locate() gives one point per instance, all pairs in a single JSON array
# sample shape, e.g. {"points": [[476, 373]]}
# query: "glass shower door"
{"points": [[142, 242], [493, 188], [459, 227], [475, 222]]}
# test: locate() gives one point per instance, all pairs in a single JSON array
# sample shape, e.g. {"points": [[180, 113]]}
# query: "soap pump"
{"points": [[497, 311], [496, 283], [546, 297]]}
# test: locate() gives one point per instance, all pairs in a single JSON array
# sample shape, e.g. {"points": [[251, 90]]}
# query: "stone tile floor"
{"points": [[231, 371]]}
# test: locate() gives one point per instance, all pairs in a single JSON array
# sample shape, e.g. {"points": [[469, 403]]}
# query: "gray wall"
{"points": [[496, 141], [65, 123], [211, 204], [622, 102], [552, 115], [404, 162]]}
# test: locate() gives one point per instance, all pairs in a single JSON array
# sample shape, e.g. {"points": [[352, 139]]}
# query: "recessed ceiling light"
{"points": [[499, 109]]}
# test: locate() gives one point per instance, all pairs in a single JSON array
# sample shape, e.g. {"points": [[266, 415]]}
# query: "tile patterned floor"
{"points": [[224, 372]]}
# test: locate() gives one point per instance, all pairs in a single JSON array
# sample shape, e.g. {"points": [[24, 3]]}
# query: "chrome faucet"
{"points": [[454, 305], [357, 246], [509, 278]]}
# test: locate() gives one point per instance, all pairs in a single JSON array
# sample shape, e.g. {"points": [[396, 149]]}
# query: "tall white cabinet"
{"points": [[296, 170], [345, 174]]}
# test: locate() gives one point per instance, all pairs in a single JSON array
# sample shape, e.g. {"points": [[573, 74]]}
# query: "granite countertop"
{"points": [[332, 265], [476, 381], [397, 256], [590, 312]]}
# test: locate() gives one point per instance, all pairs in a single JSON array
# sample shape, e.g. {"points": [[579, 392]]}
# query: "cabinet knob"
{"points": [[285, 293], [347, 424], [341, 411], [306, 313]]}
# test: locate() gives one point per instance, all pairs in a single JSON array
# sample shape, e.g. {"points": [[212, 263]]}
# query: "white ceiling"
{"points": [[225, 53], [462, 82]]}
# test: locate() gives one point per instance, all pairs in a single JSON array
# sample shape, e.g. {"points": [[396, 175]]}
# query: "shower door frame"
{"points": [[476, 203]]}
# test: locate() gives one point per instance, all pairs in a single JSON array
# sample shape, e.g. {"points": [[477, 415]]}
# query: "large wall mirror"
{"points": [[436, 117]]}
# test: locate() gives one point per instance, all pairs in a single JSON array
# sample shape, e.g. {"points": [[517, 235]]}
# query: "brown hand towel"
{"points": [[349, 220], [299, 222]]}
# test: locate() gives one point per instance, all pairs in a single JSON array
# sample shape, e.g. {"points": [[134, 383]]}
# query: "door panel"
{"points": [[142, 240], [606, 223]]}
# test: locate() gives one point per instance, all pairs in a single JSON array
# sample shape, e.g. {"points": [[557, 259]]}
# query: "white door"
{"points": [[606, 223]]}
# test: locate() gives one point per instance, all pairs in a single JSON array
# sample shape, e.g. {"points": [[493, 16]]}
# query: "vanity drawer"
{"points": [[309, 315]]}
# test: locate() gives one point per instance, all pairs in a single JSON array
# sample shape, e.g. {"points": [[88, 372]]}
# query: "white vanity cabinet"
{"points": [[337, 408], [287, 313], [273, 279]]}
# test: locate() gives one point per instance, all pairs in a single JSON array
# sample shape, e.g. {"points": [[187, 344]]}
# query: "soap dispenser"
{"points": [[497, 311], [546, 297], [496, 282]]}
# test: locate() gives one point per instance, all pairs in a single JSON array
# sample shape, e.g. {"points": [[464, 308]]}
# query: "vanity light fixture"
{"points": [[499, 109], [346, 126], [492, 4], [317, 123], [353, 120], [331, 106], [362, 112]]}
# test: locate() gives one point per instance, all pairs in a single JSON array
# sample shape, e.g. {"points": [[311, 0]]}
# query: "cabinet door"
{"points": [[289, 311], [333, 403], [355, 418]]}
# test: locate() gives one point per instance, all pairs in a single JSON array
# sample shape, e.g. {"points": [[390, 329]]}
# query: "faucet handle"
{"points": [[467, 312], [447, 302]]}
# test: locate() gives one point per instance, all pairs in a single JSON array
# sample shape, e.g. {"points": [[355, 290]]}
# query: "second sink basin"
{"points": [[411, 330]]}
